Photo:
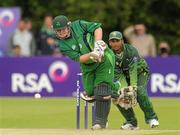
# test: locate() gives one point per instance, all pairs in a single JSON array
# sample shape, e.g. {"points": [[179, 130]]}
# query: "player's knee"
{"points": [[103, 92]]}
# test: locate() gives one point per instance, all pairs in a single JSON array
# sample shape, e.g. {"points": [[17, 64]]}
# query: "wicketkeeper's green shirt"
{"points": [[128, 65]]}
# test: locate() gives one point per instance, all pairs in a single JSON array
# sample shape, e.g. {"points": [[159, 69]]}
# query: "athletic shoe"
{"points": [[153, 123], [96, 127], [128, 126], [107, 125]]}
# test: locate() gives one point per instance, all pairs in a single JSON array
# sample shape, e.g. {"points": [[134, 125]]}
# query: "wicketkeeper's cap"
{"points": [[115, 35]]}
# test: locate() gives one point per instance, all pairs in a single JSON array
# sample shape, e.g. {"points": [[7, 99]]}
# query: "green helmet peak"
{"points": [[60, 22]]}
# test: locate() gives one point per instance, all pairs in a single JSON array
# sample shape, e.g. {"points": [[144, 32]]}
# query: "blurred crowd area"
{"points": [[26, 41]]}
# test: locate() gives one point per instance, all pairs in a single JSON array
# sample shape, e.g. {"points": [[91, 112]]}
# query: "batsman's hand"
{"points": [[95, 56], [98, 52]]}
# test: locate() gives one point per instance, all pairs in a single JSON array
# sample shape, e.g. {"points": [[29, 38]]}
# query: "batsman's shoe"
{"points": [[98, 126], [107, 124], [87, 98], [129, 126], [153, 123]]}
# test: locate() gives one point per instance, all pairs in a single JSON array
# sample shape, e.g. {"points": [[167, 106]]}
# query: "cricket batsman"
{"points": [[82, 41], [132, 72]]}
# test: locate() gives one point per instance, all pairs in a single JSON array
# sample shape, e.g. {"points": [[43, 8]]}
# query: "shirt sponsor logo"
{"points": [[109, 71], [73, 47], [80, 45]]}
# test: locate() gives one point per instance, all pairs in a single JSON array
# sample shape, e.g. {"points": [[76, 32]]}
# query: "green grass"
{"points": [[85, 132], [61, 113]]}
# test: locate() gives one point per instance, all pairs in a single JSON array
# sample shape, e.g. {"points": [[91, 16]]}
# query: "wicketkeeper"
{"points": [[132, 72], [82, 41]]}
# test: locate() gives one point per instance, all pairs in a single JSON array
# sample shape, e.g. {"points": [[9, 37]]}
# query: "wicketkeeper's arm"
{"points": [[133, 68], [123, 80], [133, 74]]}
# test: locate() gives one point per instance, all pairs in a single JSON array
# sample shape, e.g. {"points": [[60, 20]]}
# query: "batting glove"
{"points": [[100, 44], [95, 56], [98, 52]]}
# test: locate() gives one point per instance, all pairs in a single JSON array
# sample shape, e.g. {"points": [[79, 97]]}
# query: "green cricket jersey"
{"points": [[81, 42], [128, 65]]}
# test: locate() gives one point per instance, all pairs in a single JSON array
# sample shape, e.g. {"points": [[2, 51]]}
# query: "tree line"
{"points": [[162, 17]]}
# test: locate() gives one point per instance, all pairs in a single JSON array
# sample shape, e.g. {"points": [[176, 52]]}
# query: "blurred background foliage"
{"points": [[162, 17]]}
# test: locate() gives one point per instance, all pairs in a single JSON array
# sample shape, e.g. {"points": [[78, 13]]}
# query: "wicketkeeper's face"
{"points": [[116, 45], [63, 32]]}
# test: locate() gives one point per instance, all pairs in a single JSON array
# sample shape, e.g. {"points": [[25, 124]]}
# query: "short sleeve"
{"points": [[89, 26], [72, 54]]}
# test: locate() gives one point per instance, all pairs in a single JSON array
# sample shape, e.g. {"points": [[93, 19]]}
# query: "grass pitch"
{"points": [[85, 132], [29, 116]]}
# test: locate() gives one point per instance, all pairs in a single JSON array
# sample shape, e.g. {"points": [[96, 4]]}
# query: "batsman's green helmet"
{"points": [[115, 35], [60, 22]]}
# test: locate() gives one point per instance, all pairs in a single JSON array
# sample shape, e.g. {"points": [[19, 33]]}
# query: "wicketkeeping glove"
{"points": [[128, 97]]}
